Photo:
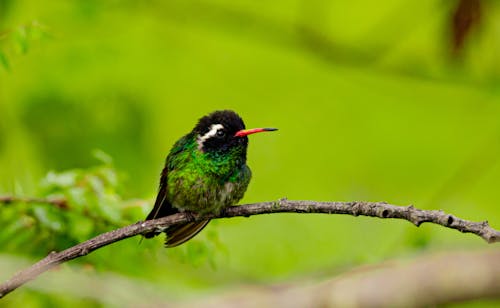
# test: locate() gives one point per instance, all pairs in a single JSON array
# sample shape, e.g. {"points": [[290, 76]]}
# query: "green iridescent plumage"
{"points": [[205, 172], [205, 182]]}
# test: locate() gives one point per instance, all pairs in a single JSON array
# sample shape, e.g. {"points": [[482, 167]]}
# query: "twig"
{"points": [[373, 209], [60, 203]]}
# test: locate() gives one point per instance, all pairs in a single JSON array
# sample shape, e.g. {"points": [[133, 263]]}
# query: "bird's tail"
{"points": [[177, 235]]}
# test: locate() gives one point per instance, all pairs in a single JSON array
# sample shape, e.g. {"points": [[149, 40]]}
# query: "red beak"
{"points": [[246, 132]]}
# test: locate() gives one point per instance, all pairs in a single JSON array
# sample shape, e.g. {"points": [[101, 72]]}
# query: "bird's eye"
{"points": [[221, 133]]}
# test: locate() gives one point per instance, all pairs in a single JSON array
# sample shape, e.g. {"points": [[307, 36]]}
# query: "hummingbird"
{"points": [[205, 172]]}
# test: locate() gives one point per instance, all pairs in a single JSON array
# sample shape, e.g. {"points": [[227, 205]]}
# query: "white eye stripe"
{"points": [[212, 132]]}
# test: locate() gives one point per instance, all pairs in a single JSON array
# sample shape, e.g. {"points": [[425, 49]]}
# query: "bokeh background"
{"points": [[380, 101]]}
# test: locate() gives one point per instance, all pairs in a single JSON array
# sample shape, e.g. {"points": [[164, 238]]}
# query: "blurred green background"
{"points": [[381, 101]]}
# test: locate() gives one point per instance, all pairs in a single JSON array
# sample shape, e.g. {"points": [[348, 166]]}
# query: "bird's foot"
{"points": [[190, 216]]}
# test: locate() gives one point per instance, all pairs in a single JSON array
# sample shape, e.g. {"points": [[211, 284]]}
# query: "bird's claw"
{"points": [[190, 216]]}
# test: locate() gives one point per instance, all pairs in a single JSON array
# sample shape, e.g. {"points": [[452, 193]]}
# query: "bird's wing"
{"points": [[162, 206], [178, 234]]}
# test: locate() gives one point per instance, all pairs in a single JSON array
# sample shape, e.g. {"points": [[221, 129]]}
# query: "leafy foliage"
{"points": [[20, 39], [80, 204], [92, 206]]}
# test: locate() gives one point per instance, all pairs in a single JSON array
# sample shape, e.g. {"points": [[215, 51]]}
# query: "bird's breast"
{"points": [[205, 193]]}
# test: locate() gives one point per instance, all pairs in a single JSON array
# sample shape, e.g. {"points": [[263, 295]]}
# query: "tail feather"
{"points": [[177, 235]]}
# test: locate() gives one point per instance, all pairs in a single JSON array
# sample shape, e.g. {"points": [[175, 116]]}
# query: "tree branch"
{"points": [[373, 209], [60, 203]]}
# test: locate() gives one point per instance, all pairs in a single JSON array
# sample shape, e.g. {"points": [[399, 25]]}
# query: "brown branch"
{"points": [[373, 209], [58, 202], [428, 281], [465, 18]]}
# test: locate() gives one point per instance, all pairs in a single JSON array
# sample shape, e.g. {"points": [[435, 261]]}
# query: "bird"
{"points": [[205, 172]]}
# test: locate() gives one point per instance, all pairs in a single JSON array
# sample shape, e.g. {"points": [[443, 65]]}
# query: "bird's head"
{"points": [[222, 131]]}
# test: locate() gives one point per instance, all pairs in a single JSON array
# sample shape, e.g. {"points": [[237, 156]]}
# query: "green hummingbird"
{"points": [[205, 172]]}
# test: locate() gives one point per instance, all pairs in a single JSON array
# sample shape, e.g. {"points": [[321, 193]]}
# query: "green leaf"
{"points": [[47, 218], [65, 179], [102, 157], [21, 37], [108, 208], [4, 61], [76, 196], [97, 185], [13, 227], [109, 175]]}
